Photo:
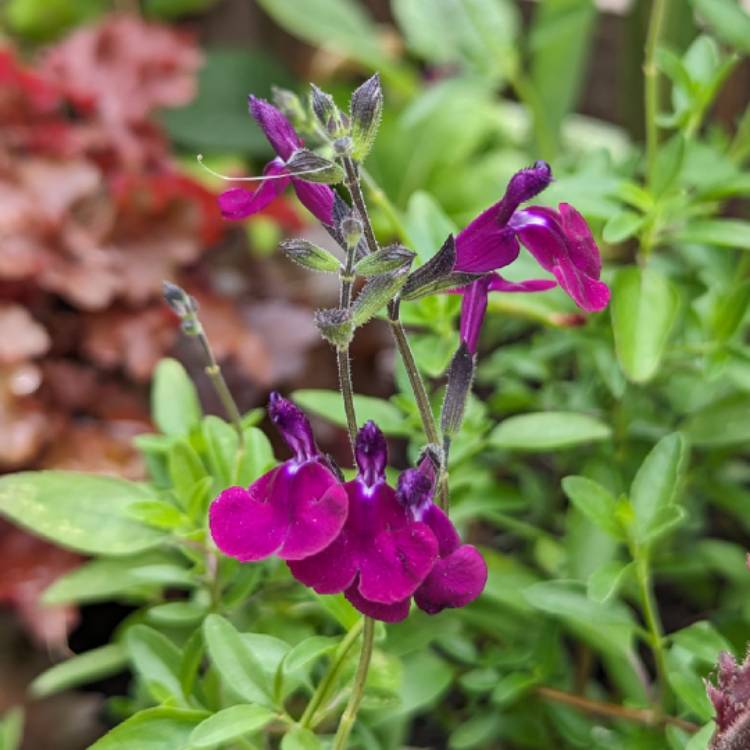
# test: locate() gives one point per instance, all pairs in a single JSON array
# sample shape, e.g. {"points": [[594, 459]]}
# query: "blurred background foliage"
{"points": [[102, 198]]}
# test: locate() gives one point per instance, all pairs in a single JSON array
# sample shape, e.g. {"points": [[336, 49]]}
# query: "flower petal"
{"points": [[454, 581], [485, 245], [316, 198], [239, 203], [589, 294], [473, 309], [445, 532], [277, 129], [245, 524], [332, 570], [500, 284], [581, 245], [383, 612], [397, 563], [317, 510]]}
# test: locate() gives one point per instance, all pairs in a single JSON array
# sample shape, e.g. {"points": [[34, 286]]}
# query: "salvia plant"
{"points": [[300, 604]]}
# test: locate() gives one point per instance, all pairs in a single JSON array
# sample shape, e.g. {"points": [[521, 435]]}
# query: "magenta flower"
{"points": [[460, 574], [294, 510], [381, 555], [731, 699], [238, 203], [561, 242]]}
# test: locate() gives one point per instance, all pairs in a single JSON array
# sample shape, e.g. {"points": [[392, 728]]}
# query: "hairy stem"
{"points": [[347, 393], [358, 688], [600, 708], [323, 690], [651, 82]]}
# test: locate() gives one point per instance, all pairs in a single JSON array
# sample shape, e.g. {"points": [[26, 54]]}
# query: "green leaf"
{"points": [[156, 660], [667, 164], [700, 740], [477, 731], [732, 233], [78, 670], [230, 724], [428, 225], [238, 666], [299, 738], [11, 729], [560, 38], [728, 20], [595, 502], [338, 25], [108, 578], [185, 470], [217, 120], [724, 422], [655, 485], [511, 687], [328, 404], [174, 400], [605, 582], [308, 651], [178, 614], [644, 309], [222, 444], [621, 226], [703, 641], [169, 9], [339, 609], [85, 512], [607, 627], [730, 310], [47, 19], [549, 430], [152, 729]]}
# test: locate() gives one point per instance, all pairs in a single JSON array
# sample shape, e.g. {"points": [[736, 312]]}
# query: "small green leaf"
{"points": [[310, 256], [655, 485], [222, 444], [376, 294], [174, 400], [308, 651], [238, 666], [255, 458], [177, 614], [87, 513], [511, 687], [299, 738], [724, 422], [544, 431], [328, 404], [622, 226], [11, 729], [644, 309], [732, 233], [703, 641], [700, 740], [152, 729], [478, 731], [78, 670], [185, 470], [605, 582], [155, 659], [728, 20], [230, 724], [667, 164], [730, 310], [595, 502]]}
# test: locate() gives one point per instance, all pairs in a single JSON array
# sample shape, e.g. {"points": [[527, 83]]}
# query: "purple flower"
{"points": [[560, 241], [460, 574], [238, 203], [294, 510], [731, 699], [381, 555]]}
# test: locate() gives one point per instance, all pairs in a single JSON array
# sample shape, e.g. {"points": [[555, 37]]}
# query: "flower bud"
{"points": [[460, 378], [371, 453], [351, 230], [314, 168], [291, 106], [323, 106], [376, 294], [335, 325], [184, 306], [523, 186], [366, 109], [293, 425], [342, 146], [390, 258], [310, 256]]}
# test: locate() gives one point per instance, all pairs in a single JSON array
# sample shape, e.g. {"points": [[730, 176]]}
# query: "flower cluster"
{"points": [[377, 545], [731, 700]]}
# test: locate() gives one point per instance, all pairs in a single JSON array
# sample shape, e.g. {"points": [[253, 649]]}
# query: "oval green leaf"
{"points": [[549, 430]]}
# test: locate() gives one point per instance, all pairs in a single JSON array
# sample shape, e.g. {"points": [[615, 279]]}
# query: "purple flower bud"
{"points": [[415, 489], [731, 699], [523, 186], [371, 453], [294, 427]]}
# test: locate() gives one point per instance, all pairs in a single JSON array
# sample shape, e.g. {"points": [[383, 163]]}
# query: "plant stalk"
{"points": [[651, 82], [358, 689]]}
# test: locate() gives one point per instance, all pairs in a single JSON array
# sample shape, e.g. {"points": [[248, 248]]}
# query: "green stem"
{"points": [[651, 82], [358, 688], [355, 191], [347, 393], [323, 690], [653, 622], [213, 370]]}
